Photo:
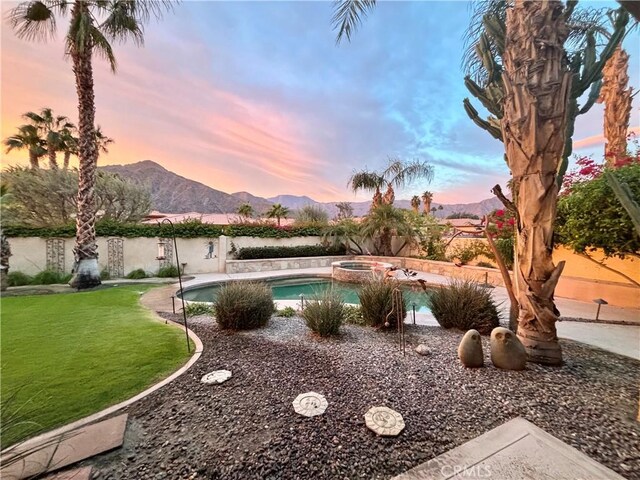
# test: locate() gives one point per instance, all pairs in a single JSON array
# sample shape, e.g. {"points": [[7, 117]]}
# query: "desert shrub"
{"points": [[168, 271], [136, 274], [464, 305], [198, 308], [485, 265], [353, 315], [324, 313], [469, 251], [376, 302], [105, 275], [243, 305], [286, 312], [505, 247], [249, 253], [17, 279], [48, 277]]}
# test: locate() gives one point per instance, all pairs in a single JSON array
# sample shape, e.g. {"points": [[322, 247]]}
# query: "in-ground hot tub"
{"points": [[357, 271]]}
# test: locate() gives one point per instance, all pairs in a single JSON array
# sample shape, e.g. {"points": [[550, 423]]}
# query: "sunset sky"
{"points": [[257, 96]]}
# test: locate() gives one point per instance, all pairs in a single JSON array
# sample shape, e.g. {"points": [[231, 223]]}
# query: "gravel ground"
{"points": [[246, 428]]}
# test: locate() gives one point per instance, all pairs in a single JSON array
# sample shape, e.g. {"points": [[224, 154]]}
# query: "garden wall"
{"points": [[245, 266]]}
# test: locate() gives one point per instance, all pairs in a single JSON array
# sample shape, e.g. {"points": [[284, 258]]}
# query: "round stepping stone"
{"points": [[215, 377], [310, 404], [384, 421]]}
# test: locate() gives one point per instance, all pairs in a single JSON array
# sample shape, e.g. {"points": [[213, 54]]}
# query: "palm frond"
{"points": [[365, 180], [33, 20], [348, 15]]}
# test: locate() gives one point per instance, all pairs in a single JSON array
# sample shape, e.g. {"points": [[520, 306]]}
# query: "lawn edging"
{"points": [[114, 408]]}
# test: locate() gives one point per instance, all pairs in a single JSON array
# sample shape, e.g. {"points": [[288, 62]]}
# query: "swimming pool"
{"points": [[292, 288]]}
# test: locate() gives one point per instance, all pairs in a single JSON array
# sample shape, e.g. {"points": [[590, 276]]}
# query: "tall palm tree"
{"points": [[415, 203], [245, 210], [69, 143], [93, 25], [51, 128], [278, 212], [397, 174], [427, 196], [28, 138]]}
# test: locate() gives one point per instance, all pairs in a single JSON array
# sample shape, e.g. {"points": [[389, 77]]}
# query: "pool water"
{"points": [[291, 289]]}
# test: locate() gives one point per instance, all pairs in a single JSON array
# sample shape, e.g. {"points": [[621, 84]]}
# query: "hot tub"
{"points": [[357, 271]]}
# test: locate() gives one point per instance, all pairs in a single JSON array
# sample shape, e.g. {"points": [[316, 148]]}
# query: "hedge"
{"points": [[251, 253], [189, 229]]}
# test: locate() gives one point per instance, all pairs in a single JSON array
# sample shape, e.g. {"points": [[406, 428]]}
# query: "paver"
{"points": [[384, 421], [310, 404], [216, 377]]}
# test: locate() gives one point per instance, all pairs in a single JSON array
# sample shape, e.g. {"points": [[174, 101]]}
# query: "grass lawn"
{"points": [[65, 356]]}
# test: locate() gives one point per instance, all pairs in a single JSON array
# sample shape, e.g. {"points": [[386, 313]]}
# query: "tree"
{"points": [[93, 24], [426, 202], [415, 203], [312, 214], [69, 143], [345, 210], [246, 210], [385, 222], [28, 138], [277, 211], [397, 174], [344, 232], [53, 128], [462, 215], [47, 198], [5, 248]]}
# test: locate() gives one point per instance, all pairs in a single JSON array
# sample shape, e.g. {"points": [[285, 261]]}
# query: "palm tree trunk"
{"points": [[426, 205], [53, 162], [377, 199], [87, 274], [67, 156], [33, 159], [389, 196], [617, 97], [537, 86]]}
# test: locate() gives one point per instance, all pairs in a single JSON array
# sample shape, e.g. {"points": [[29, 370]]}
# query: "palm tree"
{"points": [[344, 232], [245, 210], [427, 196], [69, 143], [398, 174], [385, 222], [28, 138], [277, 211], [415, 203], [51, 127], [93, 24], [5, 248]]}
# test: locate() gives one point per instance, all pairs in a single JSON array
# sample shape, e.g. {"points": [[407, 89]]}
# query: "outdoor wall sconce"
{"points": [[161, 250]]}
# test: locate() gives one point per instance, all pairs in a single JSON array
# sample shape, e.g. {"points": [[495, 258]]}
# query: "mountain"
{"points": [[293, 202], [171, 193], [259, 204]]}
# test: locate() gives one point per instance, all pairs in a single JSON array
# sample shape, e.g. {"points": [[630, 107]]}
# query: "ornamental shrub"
{"points": [[136, 274], [353, 315], [49, 277], [464, 305], [469, 251], [17, 279], [325, 313], [198, 308], [168, 271], [376, 302], [286, 312], [249, 253], [243, 305]]}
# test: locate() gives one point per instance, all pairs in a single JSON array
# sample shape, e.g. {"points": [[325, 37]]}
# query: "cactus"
{"points": [[585, 65], [625, 197]]}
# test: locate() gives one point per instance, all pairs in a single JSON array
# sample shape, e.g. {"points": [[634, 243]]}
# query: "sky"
{"points": [[258, 97]]}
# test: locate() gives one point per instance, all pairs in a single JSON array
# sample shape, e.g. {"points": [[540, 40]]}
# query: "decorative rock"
{"points": [[422, 349], [217, 376], [310, 404], [384, 421], [506, 350], [470, 350]]}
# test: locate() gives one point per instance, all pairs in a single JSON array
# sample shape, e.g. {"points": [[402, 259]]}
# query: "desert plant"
{"points": [[17, 279], [168, 271], [353, 315], [104, 274], [464, 305], [376, 301], [198, 308], [49, 277], [485, 265], [286, 312], [136, 274], [312, 215], [243, 305], [468, 252], [325, 313]]}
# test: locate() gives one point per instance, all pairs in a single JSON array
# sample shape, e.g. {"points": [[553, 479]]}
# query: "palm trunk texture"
{"points": [[87, 274], [537, 85]]}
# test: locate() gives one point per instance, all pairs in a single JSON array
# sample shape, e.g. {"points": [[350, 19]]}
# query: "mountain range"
{"points": [[172, 193]]}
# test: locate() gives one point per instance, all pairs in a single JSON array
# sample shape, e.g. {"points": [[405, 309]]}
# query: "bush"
{"points": [[198, 308], [168, 271], [17, 279], [249, 253], [105, 275], [137, 274], [286, 312], [376, 302], [324, 313], [505, 247], [353, 315], [464, 305], [48, 277], [485, 265], [243, 305], [469, 251]]}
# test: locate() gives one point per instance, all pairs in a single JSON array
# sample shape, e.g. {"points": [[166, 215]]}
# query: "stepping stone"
{"points": [[422, 349], [310, 404], [216, 377], [83, 473], [384, 421], [56, 452], [512, 451]]}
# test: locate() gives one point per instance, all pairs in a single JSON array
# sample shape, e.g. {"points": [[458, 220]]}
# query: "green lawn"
{"points": [[65, 356]]}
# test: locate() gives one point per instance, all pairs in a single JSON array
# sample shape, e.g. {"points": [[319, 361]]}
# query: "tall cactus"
{"points": [[585, 64]]}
